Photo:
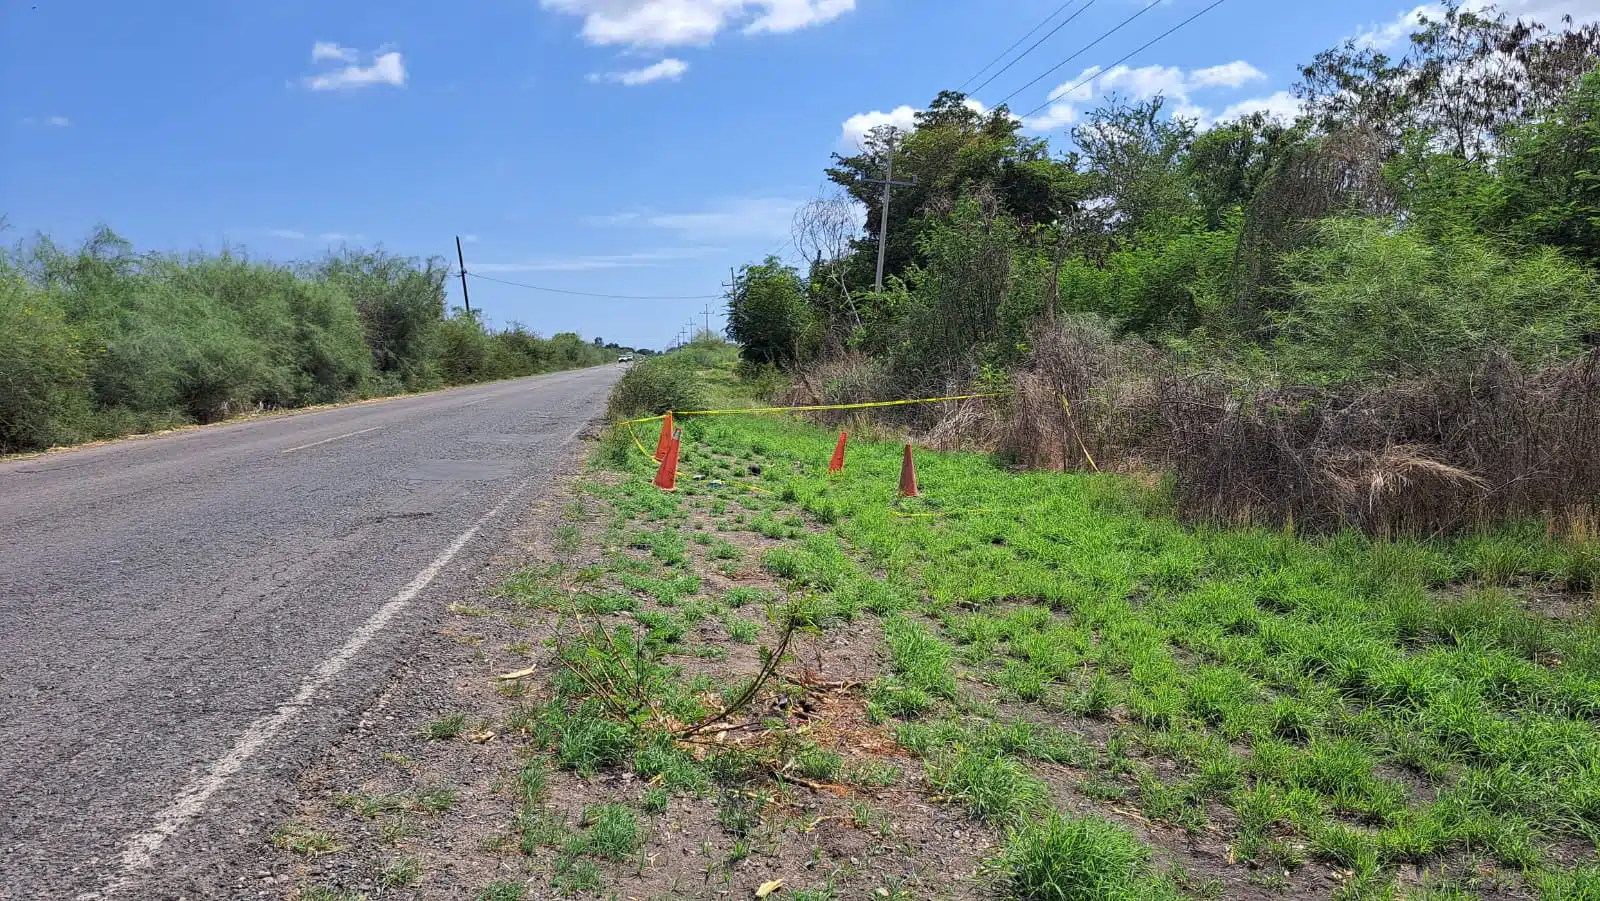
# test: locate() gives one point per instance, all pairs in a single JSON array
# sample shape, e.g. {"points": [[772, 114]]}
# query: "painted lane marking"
{"points": [[334, 438], [140, 850]]}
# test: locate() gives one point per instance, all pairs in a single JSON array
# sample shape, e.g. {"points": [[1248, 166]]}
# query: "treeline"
{"points": [[1431, 216], [1420, 210], [103, 341]]}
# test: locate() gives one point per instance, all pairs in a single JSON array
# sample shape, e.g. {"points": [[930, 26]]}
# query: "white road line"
{"points": [[140, 850], [334, 438]]}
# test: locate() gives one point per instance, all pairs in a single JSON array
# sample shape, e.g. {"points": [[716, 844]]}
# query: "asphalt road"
{"points": [[186, 621]]}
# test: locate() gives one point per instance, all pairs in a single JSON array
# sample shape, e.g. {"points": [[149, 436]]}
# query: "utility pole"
{"points": [[708, 318], [461, 258], [889, 184]]}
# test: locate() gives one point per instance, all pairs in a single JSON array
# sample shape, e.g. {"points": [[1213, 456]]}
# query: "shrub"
{"points": [[42, 377], [654, 386]]}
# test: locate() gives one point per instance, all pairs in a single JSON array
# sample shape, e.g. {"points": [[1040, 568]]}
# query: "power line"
{"points": [[1081, 51], [1146, 46], [502, 281], [1064, 23]]}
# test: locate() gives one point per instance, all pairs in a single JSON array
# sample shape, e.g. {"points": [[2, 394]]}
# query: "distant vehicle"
{"points": [[625, 358]]}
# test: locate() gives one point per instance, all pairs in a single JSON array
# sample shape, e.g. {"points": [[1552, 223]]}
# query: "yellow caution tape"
{"points": [[820, 407], [630, 423]]}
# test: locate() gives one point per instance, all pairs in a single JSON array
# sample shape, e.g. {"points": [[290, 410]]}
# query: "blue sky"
{"points": [[621, 147]]}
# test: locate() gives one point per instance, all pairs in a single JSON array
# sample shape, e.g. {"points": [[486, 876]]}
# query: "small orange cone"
{"points": [[908, 476], [667, 476], [837, 463], [665, 440]]}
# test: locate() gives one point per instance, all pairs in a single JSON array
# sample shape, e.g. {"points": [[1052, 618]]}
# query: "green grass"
{"points": [[399, 872], [612, 832], [446, 727], [502, 890], [995, 787], [304, 840], [1057, 858], [1289, 679]]}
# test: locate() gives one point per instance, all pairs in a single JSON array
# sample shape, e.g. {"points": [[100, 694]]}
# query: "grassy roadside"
{"points": [[1068, 695]]}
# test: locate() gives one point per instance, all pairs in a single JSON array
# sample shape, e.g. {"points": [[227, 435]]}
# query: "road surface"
{"points": [[186, 621]]}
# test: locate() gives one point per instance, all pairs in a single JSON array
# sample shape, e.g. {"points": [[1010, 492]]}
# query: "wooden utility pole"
{"points": [[889, 184], [708, 318], [461, 258]]}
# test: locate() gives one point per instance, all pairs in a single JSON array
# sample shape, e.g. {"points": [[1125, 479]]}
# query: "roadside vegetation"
{"points": [[104, 341], [1380, 314], [1030, 685]]}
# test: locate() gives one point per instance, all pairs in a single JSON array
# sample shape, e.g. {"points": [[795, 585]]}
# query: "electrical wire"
{"points": [[501, 281], [1042, 23], [1146, 46], [1082, 50]]}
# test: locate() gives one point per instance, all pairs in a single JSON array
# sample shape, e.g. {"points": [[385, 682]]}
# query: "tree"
{"points": [[401, 302], [824, 230], [1134, 160], [1552, 175], [768, 314], [1467, 78]]}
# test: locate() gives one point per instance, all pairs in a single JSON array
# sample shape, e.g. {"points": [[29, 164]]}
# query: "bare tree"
{"points": [[824, 230]]}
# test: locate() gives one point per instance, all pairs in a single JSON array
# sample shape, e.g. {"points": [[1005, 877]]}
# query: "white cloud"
{"points": [[667, 23], [855, 128], [288, 234], [386, 68], [1230, 75], [1394, 32], [57, 122], [339, 237], [469, 239], [668, 69], [1142, 83], [327, 50], [1392, 35], [593, 263], [1280, 105], [47, 122], [758, 218]]}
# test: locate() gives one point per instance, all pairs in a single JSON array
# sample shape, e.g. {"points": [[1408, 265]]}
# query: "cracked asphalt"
{"points": [[161, 597]]}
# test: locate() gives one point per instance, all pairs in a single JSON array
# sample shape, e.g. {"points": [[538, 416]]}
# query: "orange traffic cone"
{"points": [[908, 476], [667, 476], [665, 440], [837, 463]]}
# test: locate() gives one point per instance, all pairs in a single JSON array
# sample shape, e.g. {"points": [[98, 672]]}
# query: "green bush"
{"points": [[43, 390], [102, 341], [1372, 299], [654, 386]]}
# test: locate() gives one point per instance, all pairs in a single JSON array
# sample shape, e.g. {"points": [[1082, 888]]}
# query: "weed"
{"points": [[816, 764], [324, 893], [1059, 859], [446, 727], [655, 800], [502, 890], [304, 840], [741, 630], [994, 787], [612, 833], [399, 872], [661, 758], [532, 781]]}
